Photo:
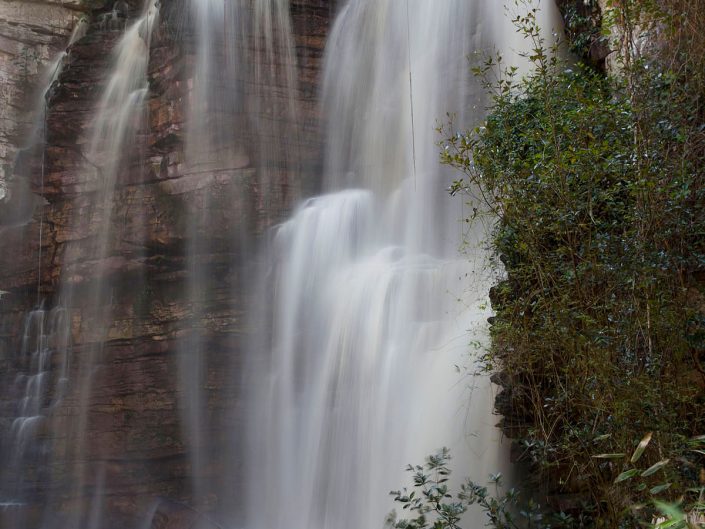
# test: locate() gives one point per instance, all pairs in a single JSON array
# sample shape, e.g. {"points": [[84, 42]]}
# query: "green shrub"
{"points": [[597, 188], [435, 506]]}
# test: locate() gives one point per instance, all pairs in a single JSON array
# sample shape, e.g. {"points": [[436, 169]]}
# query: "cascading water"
{"points": [[37, 390], [23, 202], [369, 303], [214, 150], [24, 450], [278, 125]]}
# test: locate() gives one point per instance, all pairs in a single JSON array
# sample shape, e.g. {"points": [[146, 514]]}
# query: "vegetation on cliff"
{"points": [[598, 189]]}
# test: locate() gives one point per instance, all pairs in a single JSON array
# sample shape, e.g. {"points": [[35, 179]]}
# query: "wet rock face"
{"points": [[31, 33], [135, 448]]}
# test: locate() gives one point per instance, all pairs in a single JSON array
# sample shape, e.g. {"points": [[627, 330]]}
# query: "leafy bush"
{"points": [[436, 507], [583, 21], [597, 188]]}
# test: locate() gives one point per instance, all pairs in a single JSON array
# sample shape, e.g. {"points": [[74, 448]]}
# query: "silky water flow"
{"points": [[242, 83]]}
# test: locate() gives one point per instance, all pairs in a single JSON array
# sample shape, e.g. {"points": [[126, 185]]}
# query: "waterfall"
{"points": [[368, 303], [347, 327]]}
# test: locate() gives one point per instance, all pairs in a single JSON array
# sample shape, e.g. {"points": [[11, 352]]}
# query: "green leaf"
{"points": [[655, 468], [671, 524], [641, 447], [658, 489], [629, 474], [610, 456], [671, 510]]}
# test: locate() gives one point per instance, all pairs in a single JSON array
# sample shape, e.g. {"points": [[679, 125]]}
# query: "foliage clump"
{"points": [[583, 29], [434, 505], [598, 187]]}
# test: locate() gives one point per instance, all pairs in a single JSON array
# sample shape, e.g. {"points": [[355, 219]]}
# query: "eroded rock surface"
{"points": [[31, 33]]}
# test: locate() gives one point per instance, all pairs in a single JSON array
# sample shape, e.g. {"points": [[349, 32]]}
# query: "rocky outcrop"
{"points": [[31, 33]]}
